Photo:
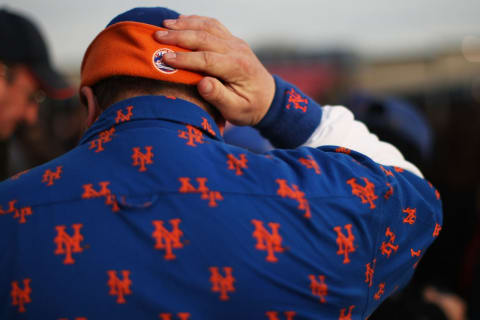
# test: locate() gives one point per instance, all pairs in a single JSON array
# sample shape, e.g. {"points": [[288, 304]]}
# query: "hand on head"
{"points": [[236, 82]]}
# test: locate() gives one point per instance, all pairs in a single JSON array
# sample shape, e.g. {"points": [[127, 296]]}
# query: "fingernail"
{"points": [[169, 22], [170, 55], [161, 33]]}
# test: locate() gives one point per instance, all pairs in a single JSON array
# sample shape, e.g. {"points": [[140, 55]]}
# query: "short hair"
{"points": [[113, 89]]}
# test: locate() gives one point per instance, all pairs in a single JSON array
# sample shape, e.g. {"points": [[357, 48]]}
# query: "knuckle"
{"points": [[203, 36], [240, 45], [211, 25], [208, 60], [244, 46], [176, 37], [187, 39], [214, 22], [244, 64]]}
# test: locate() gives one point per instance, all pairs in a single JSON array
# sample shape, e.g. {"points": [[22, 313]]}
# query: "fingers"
{"points": [[235, 81], [214, 64], [193, 40], [209, 25]]}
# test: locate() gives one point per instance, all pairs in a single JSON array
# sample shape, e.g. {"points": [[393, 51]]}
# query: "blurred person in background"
{"points": [[26, 76]]}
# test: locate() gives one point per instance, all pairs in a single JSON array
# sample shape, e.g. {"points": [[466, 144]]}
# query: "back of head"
{"points": [[125, 60]]}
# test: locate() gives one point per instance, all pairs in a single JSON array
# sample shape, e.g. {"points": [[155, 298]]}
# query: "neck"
{"points": [[195, 99]]}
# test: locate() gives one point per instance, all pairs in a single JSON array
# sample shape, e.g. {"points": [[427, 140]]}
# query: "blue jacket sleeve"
{"points": [[292, 117]]}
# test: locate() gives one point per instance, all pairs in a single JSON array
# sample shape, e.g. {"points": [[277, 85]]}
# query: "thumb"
{"points": [[215, 93]]}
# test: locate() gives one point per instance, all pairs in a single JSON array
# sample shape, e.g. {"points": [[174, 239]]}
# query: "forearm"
{"points": [[338, 127], [294, 120]]}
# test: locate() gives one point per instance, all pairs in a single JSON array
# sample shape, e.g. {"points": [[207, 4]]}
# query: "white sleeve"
{"points": [[339, 128]]}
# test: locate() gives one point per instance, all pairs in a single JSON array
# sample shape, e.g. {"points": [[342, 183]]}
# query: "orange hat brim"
{"points": [[130, 49]]}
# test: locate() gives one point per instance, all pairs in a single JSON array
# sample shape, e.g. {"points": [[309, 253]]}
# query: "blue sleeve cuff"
{"points": [[292, 117]]}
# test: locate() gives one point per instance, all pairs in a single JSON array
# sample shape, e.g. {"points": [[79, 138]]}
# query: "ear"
{"points": [[90, 101]]}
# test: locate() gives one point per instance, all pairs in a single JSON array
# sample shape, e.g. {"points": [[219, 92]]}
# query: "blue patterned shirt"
{"points": [[153, 216]]}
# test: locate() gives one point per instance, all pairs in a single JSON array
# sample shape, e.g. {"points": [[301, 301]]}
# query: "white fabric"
{"points": [[339, 128]]}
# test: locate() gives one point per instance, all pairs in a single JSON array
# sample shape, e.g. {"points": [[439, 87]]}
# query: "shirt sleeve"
{"points": [[368, 204], [338, 127], [294, 119]]}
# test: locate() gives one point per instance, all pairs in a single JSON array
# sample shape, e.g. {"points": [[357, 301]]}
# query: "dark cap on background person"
{"points": [[22, 43]]}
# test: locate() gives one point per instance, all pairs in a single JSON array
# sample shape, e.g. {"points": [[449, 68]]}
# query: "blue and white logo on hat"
{"points": [[157, 60]]}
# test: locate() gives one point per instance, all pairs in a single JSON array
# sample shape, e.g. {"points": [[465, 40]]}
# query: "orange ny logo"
{"points": [[103, 137], [21, 296], [411, 215], [206, 193], [67, 244], [389, 246], [206, 126], [389, 192], [398, 169], [293, 193], [110, 199], [17, 213], [17, 175], [345, 243], [387, 172], [369, 272], [167, 240], [21, 213], [192, 135], [124, 117], [11, 208], [220, 283], [343, 150], [347, 316], [437, 230], [118, 287], [180, 315], [295, 100], [319, 288], [273, 315], [415, 253], [366, 193], [141, 159], [271, 242], [310, 163], [237, 164], [49, 176], [380, 292]]}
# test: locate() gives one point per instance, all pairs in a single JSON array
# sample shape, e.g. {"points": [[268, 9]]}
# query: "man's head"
{"points": [[125, 60], [25, 73]]}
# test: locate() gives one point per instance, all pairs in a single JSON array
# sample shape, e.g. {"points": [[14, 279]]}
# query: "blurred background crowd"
{"points": [[410, 71]]}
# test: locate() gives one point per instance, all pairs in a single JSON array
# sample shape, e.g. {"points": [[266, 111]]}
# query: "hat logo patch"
{"points": [[157, 60]]}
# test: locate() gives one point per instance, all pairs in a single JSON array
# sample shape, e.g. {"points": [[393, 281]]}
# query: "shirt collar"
{"points": [[161, 108]]}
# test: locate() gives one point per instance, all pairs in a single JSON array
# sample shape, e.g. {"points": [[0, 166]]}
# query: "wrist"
{"points": [[291, 118]]}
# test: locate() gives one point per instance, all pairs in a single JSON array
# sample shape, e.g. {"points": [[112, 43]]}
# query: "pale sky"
{"points": [[370, 27]]}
